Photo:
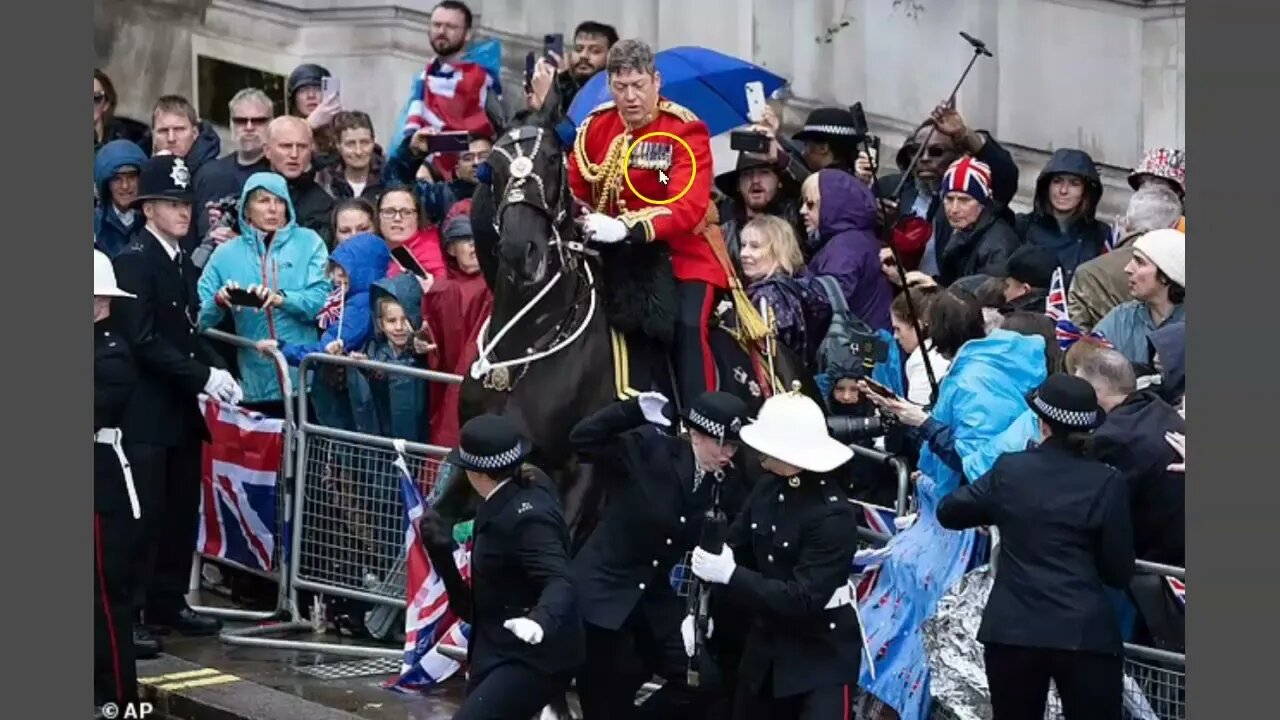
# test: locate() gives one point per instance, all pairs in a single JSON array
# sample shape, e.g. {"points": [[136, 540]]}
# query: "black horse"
{"points": [[549, 348]]}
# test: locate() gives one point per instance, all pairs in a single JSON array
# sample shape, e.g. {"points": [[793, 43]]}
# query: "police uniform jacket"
{"points": [[1065, 533], [599, 161], [160, 325], [114, 380], [794, 549], [654, 517], [519, 568]]}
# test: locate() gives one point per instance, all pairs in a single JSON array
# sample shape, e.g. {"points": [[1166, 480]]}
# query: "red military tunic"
{"points": [[595, 176]]}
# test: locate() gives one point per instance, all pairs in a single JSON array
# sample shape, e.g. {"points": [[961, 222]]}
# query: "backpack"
{"points": [[835, 346]]}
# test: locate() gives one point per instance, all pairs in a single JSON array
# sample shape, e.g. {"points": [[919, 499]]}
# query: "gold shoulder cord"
{"points": [[605, 177]]}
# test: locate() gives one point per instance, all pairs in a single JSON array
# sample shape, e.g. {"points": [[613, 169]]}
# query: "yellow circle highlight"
{"points": [[626, 164]]}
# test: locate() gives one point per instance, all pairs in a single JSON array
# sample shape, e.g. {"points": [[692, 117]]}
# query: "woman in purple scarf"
{"points": [[773, 266]]}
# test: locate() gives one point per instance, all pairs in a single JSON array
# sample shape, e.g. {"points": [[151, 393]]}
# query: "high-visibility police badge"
{"points": [[651, 155], [180, 175]]}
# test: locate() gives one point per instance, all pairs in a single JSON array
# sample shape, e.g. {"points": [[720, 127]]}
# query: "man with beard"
{"points": [[756, 186], [251, 110], [289, 154], [470, 105], [950, 140], [591, 43]]}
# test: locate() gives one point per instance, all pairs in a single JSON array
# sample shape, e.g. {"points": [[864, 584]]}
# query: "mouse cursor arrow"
{"points": [[662, 177]]}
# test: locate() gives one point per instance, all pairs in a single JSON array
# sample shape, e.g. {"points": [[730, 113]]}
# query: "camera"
{"points": [[851, 429]]}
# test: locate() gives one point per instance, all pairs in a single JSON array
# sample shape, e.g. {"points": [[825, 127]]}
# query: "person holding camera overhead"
{"points": [[1066, 535], [526, 628]]}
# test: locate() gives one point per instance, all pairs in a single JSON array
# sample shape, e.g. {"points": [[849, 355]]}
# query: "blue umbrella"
{"points": [[705, 81]]}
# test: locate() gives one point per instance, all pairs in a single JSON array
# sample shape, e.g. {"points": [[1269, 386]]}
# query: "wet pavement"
{"points": [[293, 674]]}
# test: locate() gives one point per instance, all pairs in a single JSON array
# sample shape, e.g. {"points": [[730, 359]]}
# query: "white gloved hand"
{"points": [[714, 568], [686, 632], [525, 629], [604, 229], [651, 404], [221, 385], [902, 522]]}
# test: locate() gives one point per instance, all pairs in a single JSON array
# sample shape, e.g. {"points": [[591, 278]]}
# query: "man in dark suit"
{"points": [[162, 424], [655, 516]]}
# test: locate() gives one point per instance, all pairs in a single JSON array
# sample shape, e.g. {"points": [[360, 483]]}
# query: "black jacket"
{"points": [[793, 547], [114, 380], [653, 518], [222, 178], [313, 205], [1085, 237], [1132, 441], [1065, 534], [1004, 186], [983, 249], [160, 326], [519, 568]]}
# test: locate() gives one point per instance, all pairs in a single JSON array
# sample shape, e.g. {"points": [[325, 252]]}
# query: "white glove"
{"points": [[686, 632], [902, 522], [604, 229], [651, 404], [222, 386], [525, 629], [714, 568]]}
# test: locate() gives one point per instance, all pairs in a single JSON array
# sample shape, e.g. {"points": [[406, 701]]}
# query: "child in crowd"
{"points": [[393, 405]]}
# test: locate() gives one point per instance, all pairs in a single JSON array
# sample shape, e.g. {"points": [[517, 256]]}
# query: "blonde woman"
{"points": [[774, 269]]}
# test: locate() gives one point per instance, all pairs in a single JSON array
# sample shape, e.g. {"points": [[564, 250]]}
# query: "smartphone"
{"points": [[553, 43], [243, 298], [449, 142], [879, 389], [530, 59], [408, 261], [329, 86], [749, 141], [755, 101]]}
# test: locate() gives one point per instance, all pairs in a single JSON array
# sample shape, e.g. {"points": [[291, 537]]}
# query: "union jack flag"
{"points": [[879, 519], [1179, 589], [428, 621], [332, 309], [241, 465], [451, 97], [1066, 331]]}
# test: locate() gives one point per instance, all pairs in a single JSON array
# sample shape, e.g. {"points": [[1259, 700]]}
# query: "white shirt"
{"points": [[170, 249], [357, 187], [918, 388], [126, 216]]}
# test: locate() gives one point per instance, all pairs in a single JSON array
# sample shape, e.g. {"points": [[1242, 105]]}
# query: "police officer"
{"points": [[655, 516], [1066, 535], [163, 427], [788, 559], [115, 678], [526, 632]]}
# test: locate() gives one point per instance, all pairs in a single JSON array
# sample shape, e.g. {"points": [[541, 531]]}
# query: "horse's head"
{"points": [[532, 201]]}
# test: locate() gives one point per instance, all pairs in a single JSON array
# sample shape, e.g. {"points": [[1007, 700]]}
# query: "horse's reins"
{"points": [[513, 193]]}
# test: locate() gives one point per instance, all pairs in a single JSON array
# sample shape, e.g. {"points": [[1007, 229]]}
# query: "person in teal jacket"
{"points": [[278, 260]]}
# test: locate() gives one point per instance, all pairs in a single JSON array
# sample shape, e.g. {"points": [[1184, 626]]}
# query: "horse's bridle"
{"points": [[496, 375]]}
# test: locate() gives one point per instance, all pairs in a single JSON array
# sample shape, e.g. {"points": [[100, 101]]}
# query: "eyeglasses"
{"points": [[393, 213], [247, 121], [99, 98], [933, 151]]}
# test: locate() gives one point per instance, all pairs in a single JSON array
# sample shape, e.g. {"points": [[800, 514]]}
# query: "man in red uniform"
{"points": [[660, 169]]}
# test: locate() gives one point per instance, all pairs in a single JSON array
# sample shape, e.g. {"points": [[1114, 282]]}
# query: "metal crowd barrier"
{"points": [[348, 530], [280, 558], [902, 506]]}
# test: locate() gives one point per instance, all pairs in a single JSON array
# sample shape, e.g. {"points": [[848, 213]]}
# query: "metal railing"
{"points": [[280, 559], [348, 512], [900, 469]]}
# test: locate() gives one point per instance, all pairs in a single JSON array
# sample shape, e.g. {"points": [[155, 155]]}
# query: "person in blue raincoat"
{"points": [[980, 403], [282, 262], [115, 173]]}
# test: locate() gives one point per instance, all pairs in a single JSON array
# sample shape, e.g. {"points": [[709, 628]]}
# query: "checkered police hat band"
{"points": [[490, 462], [830, 129], [1070, 418], [706, 424]]}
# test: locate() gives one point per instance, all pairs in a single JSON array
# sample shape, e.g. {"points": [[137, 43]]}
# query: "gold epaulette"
{"points": [[678, 110]]}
